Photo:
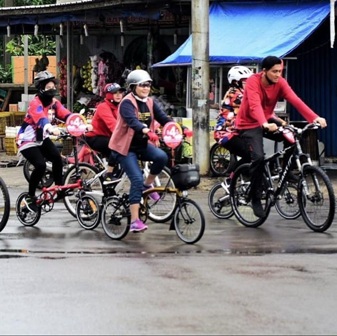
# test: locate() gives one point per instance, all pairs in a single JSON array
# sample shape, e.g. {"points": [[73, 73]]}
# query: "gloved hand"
{"points": [[188, 133], [152, 136]]}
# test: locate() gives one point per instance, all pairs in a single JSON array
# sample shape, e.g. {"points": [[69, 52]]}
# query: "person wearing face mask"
{"points": [[134, 139], [33, 136], [104, 123]]}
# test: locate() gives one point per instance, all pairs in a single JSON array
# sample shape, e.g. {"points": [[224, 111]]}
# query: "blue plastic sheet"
{"points": [[248, 32]]}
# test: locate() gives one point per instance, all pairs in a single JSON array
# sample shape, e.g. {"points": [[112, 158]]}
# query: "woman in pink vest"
{"points": [[135, 139]]}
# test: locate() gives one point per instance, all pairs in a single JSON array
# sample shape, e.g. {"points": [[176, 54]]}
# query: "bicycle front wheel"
{"points": [[316, 199], [116, 218], [241, 200], [4, 204], [88, 212], [189, 221], [219, 202], [287, 205], [160, 211], [86, 173]]}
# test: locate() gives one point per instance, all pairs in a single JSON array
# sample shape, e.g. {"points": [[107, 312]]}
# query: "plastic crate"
{"points": [[18, 118], [6, 119], [10, 146], [67, 147]]}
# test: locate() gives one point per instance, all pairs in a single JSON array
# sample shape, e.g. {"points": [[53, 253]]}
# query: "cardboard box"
{"points": [[13, 107], [24, 97], [18, 67], [22, 106]]}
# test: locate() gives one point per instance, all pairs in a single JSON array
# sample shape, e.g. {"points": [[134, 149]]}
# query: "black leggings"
{"points": [[100, 144], [37, 156]]}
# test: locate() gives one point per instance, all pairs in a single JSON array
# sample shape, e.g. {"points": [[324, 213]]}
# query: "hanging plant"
{"points": [[37, 45]]}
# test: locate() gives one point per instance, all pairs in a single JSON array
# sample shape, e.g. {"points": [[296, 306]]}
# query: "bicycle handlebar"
{"points": [[298, 130]]}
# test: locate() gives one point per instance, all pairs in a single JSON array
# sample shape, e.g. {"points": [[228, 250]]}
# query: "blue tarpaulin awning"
{"points": [[248, 32]]}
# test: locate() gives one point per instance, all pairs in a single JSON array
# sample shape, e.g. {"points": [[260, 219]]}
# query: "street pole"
{"points": [[200, 83]]}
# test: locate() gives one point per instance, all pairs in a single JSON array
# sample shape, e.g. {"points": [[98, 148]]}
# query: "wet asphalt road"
{"points": [[276, 235], [59, 279]]}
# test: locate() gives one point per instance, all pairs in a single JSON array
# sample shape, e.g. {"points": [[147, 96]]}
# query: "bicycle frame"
{"points": [[85, 154], [47, 196], [296, 155]]}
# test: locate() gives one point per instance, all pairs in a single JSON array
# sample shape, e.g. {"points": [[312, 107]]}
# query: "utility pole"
{"points": [[200, 83]]}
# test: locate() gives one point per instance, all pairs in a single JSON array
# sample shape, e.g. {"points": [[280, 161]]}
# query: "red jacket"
{"points": [[259, 102], [104, 120]]}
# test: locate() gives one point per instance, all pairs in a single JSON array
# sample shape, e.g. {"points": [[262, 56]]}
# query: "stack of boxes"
{"points": [[13, 122], [25, 100]]}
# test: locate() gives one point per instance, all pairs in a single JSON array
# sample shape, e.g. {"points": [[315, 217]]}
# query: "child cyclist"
{"points": [[225, 132]]}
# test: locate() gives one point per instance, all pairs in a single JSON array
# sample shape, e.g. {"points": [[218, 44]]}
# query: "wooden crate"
{"points": [[10, 146]]}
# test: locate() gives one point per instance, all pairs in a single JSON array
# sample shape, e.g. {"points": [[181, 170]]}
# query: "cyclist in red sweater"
{"points": [[104, 123], [256, 116]]}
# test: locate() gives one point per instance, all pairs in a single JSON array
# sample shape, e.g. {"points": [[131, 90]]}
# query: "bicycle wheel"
{"points": [[5, 205], [116, 218], [189, 221], [316, 199], [87, 172], [26, 217], [47, 179], [88, 212], [219, 202], [241, 201], [287, 205], [220, 160], [162, 210]]}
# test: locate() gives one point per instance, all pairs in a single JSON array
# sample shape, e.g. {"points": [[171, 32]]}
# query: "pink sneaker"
{"points": [[138, 226], [154, 196]]}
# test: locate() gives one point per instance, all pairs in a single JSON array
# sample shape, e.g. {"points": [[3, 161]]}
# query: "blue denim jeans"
{"points": [[132, 169]]}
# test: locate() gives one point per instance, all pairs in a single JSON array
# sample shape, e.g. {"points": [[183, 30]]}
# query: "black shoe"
{"points": [[116, 174], [60, 195], [257, 208], [30, 202], [110, 178]]}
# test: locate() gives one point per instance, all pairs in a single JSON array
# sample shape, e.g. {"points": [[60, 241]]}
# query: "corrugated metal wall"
{"points": [[313, 76]]}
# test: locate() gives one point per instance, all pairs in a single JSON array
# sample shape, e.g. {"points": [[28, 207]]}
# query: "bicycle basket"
{"points": [[185, 176]]}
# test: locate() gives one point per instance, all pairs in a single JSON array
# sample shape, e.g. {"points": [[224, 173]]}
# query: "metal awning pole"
{"points": [[25, 61]]}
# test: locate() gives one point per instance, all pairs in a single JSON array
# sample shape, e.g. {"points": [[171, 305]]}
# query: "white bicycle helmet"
{"points": [[136, 77], [42, 77], [238, 73]]}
